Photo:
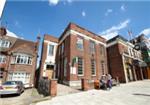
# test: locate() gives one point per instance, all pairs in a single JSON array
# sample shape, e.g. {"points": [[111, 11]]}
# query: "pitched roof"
{"points": [[51, 38], [117, 37], [80, 29]]}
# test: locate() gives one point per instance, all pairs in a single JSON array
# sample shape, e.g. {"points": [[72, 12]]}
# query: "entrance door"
{"points": [[129, 73]]}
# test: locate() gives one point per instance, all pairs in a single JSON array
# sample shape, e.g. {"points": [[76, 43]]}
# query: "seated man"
{"points": [[103, 82]]}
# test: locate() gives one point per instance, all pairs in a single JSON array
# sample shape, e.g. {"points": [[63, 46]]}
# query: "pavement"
{"points": [[65, 90], [133, 93], [26, 98]]}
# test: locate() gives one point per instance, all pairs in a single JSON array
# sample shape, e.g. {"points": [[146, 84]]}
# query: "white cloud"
{"points": [[83, 13], [146, 32], [108, 12], [122, 8], [2, 4], [65, 2], [17, 24], [9, 33], [53, 2], [110, 35], [114, 30], [69, 1]]}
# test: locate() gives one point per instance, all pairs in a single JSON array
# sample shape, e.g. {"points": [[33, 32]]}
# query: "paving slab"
{"points": [[133, 93]]}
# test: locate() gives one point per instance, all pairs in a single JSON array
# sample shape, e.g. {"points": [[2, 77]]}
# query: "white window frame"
{"points": [[82, 67], [102, 50], [92, 47], [4, 43], [80, 43], [52, 52], [103, 67], [23, 59], [94, 67], [3, 59]]}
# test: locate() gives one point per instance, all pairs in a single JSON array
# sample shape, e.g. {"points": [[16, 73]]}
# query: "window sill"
{"points": [[80, 75], [94, 75], [21, 64]]}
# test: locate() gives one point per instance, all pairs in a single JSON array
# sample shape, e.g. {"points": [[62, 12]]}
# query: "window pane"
{"points": [[22, 59], [102, 50], [93, 69], [62, 48], [4, 43], [80, 66], [2, 59], [92, 47], [51, 49], [80, 43], [103, 67]]}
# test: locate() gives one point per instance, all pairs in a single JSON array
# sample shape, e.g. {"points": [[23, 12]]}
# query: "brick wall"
{"points": [[49, 38], [115, 63]]}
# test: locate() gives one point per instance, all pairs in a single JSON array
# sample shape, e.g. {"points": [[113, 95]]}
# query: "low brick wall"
{"points": [[47, 87], [43, 87]]}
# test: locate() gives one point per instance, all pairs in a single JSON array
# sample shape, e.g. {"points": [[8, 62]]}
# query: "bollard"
{"points": [[96, 84], [53, 87], [85, 84]]}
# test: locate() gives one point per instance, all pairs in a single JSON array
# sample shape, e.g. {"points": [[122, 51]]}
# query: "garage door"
{"points": [[20, 76]]}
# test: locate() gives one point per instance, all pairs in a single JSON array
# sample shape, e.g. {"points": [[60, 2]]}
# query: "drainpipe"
{"points": [[141, 73], [134, 73]]}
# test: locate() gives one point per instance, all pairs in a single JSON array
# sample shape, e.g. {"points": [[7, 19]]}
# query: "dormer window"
{"points": [[4, 43]]}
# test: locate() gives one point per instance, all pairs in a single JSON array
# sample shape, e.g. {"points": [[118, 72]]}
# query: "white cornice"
{"points": [[50, 42], [73, 32], [115, 42]]}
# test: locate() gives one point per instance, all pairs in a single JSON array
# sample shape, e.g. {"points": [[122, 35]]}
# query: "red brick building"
{"points": [[48, 55], [80, 54], [18, 58], [124, 61]]}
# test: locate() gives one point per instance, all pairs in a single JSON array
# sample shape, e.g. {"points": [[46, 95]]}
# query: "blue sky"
{"points": [[29, 18]]}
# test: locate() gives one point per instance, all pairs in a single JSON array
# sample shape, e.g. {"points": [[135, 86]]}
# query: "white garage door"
{"points": [[20, 76]]}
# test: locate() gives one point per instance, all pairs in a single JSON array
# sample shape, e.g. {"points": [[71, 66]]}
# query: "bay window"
{"points": [[22, 59], [4, 43]]}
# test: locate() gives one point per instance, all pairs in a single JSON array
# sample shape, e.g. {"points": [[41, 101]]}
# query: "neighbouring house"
{"points": [[143, 44], [125, 61], [76, 54], [18, 58], [48, 55]]}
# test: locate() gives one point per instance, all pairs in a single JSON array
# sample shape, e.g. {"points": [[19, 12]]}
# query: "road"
{"points": [[133, 93], [25, 98]]}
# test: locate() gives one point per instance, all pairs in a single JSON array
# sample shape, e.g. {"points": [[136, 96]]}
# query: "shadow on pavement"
{"points": [[139, 94], [9, 96]]}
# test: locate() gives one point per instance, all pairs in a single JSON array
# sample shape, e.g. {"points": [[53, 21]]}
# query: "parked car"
{"points": [[11, 87]]}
